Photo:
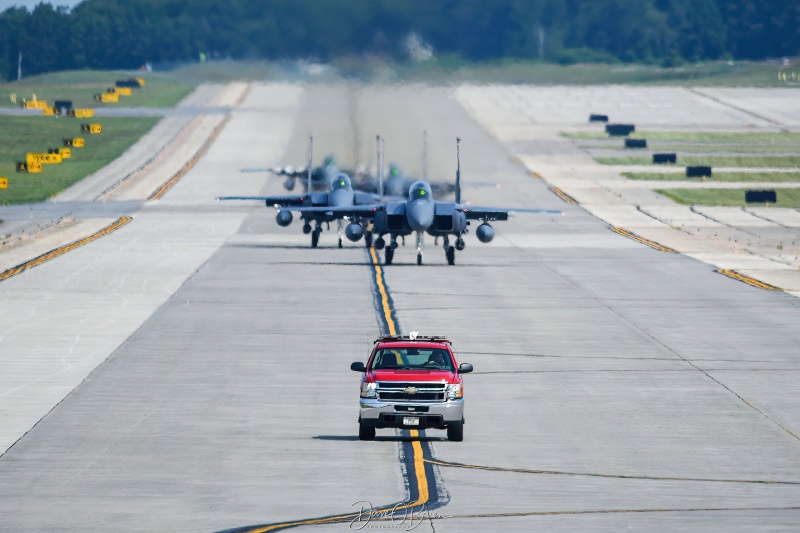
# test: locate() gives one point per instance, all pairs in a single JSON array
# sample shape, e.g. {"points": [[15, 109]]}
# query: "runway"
{"points": [[208, 350]]}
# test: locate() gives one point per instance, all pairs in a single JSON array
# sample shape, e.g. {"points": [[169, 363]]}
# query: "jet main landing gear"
{"points": [[315, 237], [390, 249]]}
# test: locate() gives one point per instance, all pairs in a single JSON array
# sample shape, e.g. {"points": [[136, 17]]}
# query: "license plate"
{"points": [[410, 420]]}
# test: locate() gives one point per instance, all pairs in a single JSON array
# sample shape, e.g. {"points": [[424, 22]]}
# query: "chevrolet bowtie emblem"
{"points": [[411, 390]]}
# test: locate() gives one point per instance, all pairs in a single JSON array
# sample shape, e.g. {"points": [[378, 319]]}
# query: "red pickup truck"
{"points": [[412, 382]]}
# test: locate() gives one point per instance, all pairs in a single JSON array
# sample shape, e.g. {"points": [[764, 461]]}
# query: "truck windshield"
{"points": [[413, 358]]}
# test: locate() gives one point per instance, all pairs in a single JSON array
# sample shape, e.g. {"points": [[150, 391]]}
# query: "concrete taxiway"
{"points": [[191, 372]]}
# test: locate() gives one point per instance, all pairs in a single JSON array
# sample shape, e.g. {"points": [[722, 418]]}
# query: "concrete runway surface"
{"points": [[207, 353]]}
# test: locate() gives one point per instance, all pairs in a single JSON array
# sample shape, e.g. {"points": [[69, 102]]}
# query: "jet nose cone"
{"points": [[340, 198], [420, 215]]}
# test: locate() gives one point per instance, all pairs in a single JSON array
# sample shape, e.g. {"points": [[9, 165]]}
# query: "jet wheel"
{"points": [[340, 242], [314, 239], [419, 258], [389, 255], [450, 253], [368, 239]]}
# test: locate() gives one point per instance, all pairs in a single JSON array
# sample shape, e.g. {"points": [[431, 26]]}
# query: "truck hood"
{"points": [[414, 375]]}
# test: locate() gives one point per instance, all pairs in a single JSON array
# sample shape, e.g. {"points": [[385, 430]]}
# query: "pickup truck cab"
{"points": [[411, 382]]}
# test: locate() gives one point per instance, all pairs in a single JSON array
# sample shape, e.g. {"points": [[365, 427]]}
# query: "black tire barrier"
{"points": [[760, 197], [620, 130], [54, 150], [663, 159], [85, 128], [98, 97], [698, 172], [66, 142], [635, 143], [133, 83], [22, 166], [598, 118]]}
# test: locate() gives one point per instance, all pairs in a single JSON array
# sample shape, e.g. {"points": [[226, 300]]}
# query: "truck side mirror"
{"points": [[464, 368], [359, 367]]}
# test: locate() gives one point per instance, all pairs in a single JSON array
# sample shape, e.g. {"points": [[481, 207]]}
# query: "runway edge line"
{"points": [[647, 242], [52, 254], [161, 191]]}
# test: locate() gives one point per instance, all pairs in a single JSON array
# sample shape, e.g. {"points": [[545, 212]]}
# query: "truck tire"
{"points": [[366, 433], [455, 431]]}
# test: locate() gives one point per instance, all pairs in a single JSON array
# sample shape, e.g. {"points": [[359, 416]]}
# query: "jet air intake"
{"points": [[354, 231], [485, 233], [283, 218]]}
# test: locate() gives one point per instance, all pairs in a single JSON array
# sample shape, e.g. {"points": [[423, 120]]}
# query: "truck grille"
{"points": [[396, 391]]}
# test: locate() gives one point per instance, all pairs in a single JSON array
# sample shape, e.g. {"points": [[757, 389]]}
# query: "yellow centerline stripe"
{"points": [[747, 279], [387, 311], [419, 467], [161, 191], [63, 249], [419, 458], [651, 244]]}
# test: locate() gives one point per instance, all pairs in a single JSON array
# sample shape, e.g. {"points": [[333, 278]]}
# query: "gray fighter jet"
{"points": [[420, 214], [321, 176], [316, 178], [340, 196], [397, 183]]}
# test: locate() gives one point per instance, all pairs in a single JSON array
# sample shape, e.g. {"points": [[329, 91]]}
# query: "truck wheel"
{"points": [[455, 432], [366, 433]]}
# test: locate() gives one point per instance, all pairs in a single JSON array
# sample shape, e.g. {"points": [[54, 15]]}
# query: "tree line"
{"points": [[115, 34]]}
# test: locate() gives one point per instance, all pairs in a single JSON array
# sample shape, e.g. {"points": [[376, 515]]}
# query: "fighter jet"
{"points": [[421, 214], [316, 178], [321, 176], [397, 183], [340, 195]]}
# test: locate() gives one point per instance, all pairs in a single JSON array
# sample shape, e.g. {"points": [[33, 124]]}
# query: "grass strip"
{"points": [[741, 149], [80, 86], [787, 161], [753, 137], [20, 135], [717, 176], [726, 197]]}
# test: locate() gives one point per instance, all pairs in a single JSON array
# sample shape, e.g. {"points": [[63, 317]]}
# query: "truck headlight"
{"points": [[368, 390], [454, 392]]}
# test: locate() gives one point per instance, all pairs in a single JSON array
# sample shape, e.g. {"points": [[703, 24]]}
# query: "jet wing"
{"points": [[362, 211], [278, 201], [289, 171], [365, 198], [497, 213]]}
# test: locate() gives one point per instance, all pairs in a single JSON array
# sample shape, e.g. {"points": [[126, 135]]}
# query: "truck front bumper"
{"points": [[378, 414]]}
